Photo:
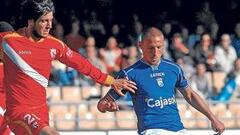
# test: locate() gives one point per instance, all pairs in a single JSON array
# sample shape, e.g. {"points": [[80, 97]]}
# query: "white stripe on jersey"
{"points": [[2, 111], [27, 69]]}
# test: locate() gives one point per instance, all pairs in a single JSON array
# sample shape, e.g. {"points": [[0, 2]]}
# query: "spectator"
{"points": [[58, 31], [59, 75], [225, 54], [231, 86], [74, 40], [167, 31], [205, 16], [188, 69], [91, 55], [214, 29], [185, 34], [89, 42], [178, 48], [195, 37], [200, 82], [130, 58], [137, 31], [93, 58], [111, 55], [204, 52], [62, 75], [117, 33], [94, 27], [235, 74], [236, 39]]}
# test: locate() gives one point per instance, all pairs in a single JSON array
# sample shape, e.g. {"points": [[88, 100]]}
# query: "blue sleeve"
{"points": [[182, 82], [111, 92]]}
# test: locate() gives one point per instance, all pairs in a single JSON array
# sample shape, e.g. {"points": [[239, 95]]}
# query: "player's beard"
{"points": [[36, 35]]}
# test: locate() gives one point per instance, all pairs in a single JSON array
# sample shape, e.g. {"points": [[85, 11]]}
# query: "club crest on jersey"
{"points": [[160, 82], [53, 53]]}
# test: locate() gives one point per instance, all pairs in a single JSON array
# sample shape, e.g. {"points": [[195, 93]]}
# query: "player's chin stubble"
{"points": [[36, 35]]}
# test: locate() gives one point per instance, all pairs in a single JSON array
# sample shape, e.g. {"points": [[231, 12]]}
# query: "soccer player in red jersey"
{"points": [[4, 130], [27, 56]]}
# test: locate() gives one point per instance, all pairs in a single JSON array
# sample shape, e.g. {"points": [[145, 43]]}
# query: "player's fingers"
{"points": [[127, 83], [118, 90], [120, 93], [220, 131], [128, 89], [133, 83], [117, 108], [133, 86], [108, 105], [113, 106]]}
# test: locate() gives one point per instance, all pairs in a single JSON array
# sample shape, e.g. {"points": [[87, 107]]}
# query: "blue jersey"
{"points": [[154, 101]]}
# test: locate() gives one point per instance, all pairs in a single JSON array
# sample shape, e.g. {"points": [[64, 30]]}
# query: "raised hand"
{"points": [[123, 84]]}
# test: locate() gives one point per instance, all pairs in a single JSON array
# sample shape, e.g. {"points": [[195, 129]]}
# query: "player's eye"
{"points": [[43, 21]]}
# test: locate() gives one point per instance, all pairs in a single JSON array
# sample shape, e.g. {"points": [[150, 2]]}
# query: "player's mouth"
{"points": [[45, 32], [154, 59]]}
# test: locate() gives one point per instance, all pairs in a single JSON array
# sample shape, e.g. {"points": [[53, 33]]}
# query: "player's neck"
{"points": [[35, 36], [151, 64], [32, 34]]}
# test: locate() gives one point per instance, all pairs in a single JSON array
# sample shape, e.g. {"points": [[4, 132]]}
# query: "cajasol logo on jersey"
{"points": [[161, 102]]}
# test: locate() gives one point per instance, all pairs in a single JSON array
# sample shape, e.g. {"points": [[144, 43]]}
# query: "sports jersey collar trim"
{"points": [[154, 67], [28, 35]]}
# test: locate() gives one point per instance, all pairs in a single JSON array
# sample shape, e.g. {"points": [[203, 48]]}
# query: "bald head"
{"points": [[152, 32], [152, 45]]}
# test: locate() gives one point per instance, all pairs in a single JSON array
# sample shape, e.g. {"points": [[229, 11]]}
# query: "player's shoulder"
{"points": [[170, 64], [7, 35], [136, 65], [55, 40]]}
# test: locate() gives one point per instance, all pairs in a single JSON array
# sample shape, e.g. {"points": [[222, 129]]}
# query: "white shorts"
{"points": [[163, 132]]}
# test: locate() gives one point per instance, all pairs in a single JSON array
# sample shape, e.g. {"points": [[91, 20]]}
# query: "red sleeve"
{"points": [[1, 64], [1, 36], [82, 65]]}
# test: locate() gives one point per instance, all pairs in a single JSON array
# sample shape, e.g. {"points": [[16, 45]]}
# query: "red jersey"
{"points": [[2, 92], [1, 77], [2, 34], [27, 65]]}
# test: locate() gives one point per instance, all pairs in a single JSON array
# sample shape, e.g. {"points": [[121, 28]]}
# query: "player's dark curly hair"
{"points": [[33, 9]]}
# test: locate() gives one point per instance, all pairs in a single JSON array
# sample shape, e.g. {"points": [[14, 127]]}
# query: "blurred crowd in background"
{"points": [[203, 37]]}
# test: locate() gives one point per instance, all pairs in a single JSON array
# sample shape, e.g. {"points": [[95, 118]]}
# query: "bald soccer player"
{"points": [[154, 101]]}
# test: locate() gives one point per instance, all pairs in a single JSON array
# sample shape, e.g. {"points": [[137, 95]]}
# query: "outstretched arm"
{"points": [[83, 66], [197, 102]]}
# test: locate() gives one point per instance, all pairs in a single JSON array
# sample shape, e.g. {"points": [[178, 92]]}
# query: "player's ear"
{"points": [[140, 40], [30, 23]]}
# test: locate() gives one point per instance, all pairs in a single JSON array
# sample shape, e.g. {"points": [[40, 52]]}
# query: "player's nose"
{"points": [[49, 25]]}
